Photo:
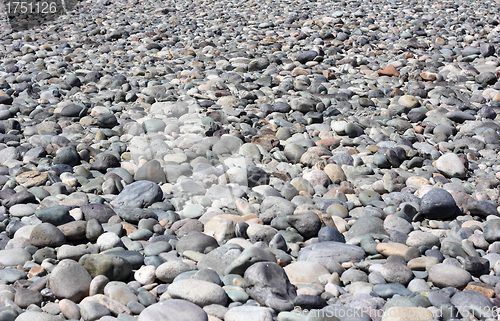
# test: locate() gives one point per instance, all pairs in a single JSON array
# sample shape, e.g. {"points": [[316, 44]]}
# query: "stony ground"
{"points": [[252, 160]]}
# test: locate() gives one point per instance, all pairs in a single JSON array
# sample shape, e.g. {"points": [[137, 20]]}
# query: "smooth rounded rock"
{"points": [[445, 275], [70, 280], [201, 293], [46, 234], [173, 310], [438, 204]]}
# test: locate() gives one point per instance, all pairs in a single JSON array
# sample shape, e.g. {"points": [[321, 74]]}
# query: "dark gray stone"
{"points": [[113, 267], [438, 204], [134, 215], [196, 241], [105, 161], [55, 215], [98, 211], [482, 208], [307, 224], [268, 284], [67, 155], [138, 194], [46, 234]]}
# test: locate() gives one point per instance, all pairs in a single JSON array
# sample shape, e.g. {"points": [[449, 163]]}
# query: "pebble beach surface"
{"points": [[252, 161]]}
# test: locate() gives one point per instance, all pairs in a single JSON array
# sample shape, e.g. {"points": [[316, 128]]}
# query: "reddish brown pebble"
{"points": [[390, 70]]}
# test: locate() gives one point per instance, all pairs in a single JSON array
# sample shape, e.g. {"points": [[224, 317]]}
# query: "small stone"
{"points": [[70, 280], [55, 215], [268, 284], [390, 70], [241, 313], [248, 257], [113, 267], [168, 271], [32, 178], [420, 238], [335, 173], [67, 155], [404, 313], [138, 195], [91, 311], [438, 204], [201, 293], [409, 101], [151, 171], [14, 257], [69, 309], [305, 272], [97, 211], [450, 165], [105, 161], [388, 249], [146, 274], [173, 310], [482, 208], [307, 56], [491, 231], [396, 273], [196, 241], [46, 234], [307, 224], [25, 297], [445, 275]]}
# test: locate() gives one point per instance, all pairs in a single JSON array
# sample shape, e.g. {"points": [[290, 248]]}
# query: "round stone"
{"points": [[438, 204], [447, 275]]}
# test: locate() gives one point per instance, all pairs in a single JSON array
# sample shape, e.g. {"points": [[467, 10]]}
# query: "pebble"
{"points": [[451, 165], [168, 271], [46, 234], [200, 292], [174, 309], [437, 204], [268, 284], [249, 313], [305, 272], [70, 280], [14, 257], [113, 267], [448, 275]]}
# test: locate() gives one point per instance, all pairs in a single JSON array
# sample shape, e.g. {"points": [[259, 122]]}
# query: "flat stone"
{"points": [[325, 251], [113, 267], [14, 257], [168, 271], [173, 310], [388, 249], [445, 275], [305, 272], [201, 293], [138, 195]]}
